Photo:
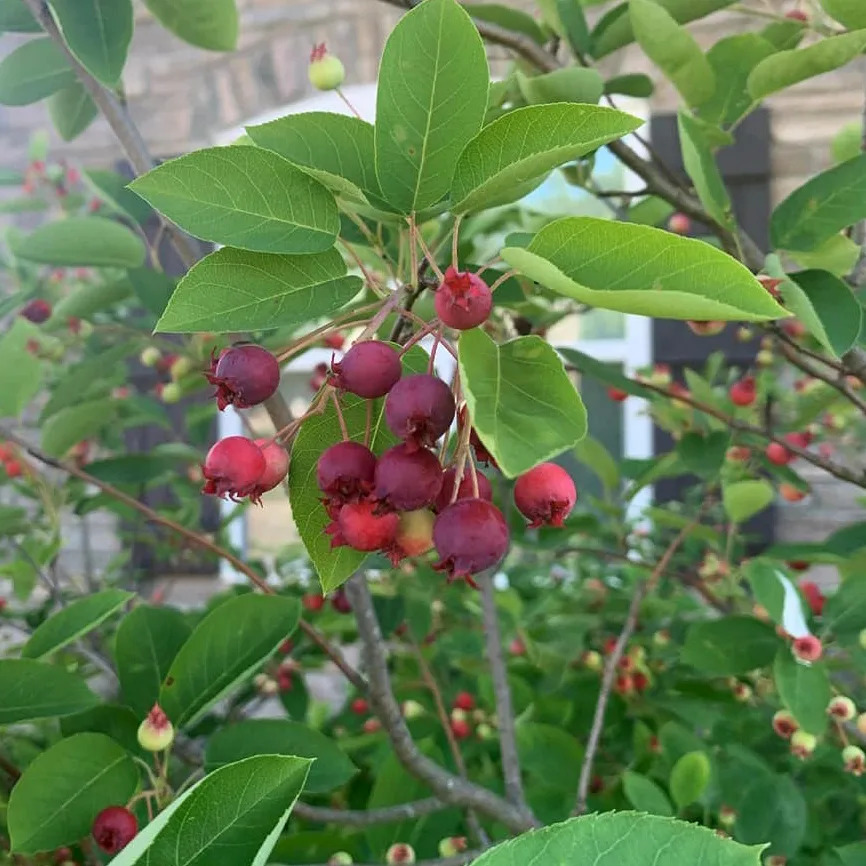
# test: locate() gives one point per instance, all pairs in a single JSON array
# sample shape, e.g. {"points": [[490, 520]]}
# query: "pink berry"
{"points": [[419, 409], [814, 597], [233, 468], [460, 728], [465, 490], [114, 828], [345, 471], [358, 526], [744, 392], [680, 224], [360, 707], [319, 377], [245, 376], [36, 311], [276, 467], [464, 701], [313, 602], [372, 726], [808, 648], [797, 15], [545, 495], [369, 369], [407, 479], [778, 454], [517, 647], [463, 300], [470, 536]]}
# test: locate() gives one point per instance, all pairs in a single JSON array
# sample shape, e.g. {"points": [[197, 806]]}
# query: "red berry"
{"points": [[345, 471], [778, 454], [463, 300], [284, 681], [369, 369], [470, 536], [360, 707], [460, 728], [335, 341], [616, 394], [319, 377], [517, 647], [13, 468], [545, 495], [114, 828], [791, 494], [313, 602], [276, 467], [464, 701], [797, 15], [233, 468], [640, 681], [372, 726], [360, 527], [706, 328], [680, 224], [799, 440], [36, 311], [407, 479], [799, 565], [419, 409], [245, 376], [808, 648], [464, 491], [340, 602], [287, 645], [744, 392]]}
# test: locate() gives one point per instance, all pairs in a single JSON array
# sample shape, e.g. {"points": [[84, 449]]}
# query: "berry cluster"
{"points": [[12, 466]]}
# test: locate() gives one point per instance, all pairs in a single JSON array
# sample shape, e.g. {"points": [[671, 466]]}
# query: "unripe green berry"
{"points": [[854, 759], [326, 72], [341, 858], [150, 356], [412, 710], [171, 393], [803, 744], [485, 732], [156, 732], [180, 368], [451, 846], [727, 816], [662, 638], [862, 639], [592, 660]]}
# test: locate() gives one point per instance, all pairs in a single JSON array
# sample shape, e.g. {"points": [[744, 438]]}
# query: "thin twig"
{"points": [[369, 817]]}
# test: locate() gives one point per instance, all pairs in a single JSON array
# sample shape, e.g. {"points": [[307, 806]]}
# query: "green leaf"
{"points": [[838, 255], [20, 371], [111, 189], [852, 855], [226, 646], [785, 68], [246, 197], [86, 300], [773, 810], [608, 374], [528, 143], [74, 423], [432, 98], [57, 797], [621, 839], [550, 754], [643, 270], [733, 60], [98, 33], [599, 460], [631, 84], [507, 17], [232, 290], [574, 26], [15, 17], [730, 645], [702, 169], [674, 50], [804, 689], [851, 13], [331, 768], [784, 35], [689, 778], [845, 610], [523, 406], [210, 24], [846, 143], [33, 71], [704, 455], [336, 150], [645, 795], [233, 817], [119, 723], [744, 499], [72, 111], [571, 84], [82, 242], [35, 690], [74, 621], [146, 644]]}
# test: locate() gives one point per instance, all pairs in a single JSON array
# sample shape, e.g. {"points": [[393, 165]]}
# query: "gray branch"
{"points": [[368, 817]]}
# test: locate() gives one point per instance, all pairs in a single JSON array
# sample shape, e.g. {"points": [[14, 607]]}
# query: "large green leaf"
{"points": [[145, 646], [71, 110], [523, 406], [211, 24], [98, 33], [702, 169], [744, 499], [20, 371], [15, 17], [527, 143], [73, 621], [785, 68], [57, 797], [773, 810], [824, 205], [851, 13], [640, 269], [247, 197], [337, 150], [82, 242], [227, 645], [645, 795], [232, 290], [730, 645], [804, 689], [621, 839], [432, 99], [35, 690], [232, 817], [845, 611], [331, 768], [674, 50], [33, 71], [74, 423]]}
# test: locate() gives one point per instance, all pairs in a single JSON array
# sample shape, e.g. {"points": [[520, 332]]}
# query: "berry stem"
{"points": [[371, 281], [429, 256], [375, 323], [339, 410], [413, 251], [460, 455], [344, 321], [506, 276], [368, 424], [428, 328], [455, 241], [437, 339], [339, 92]]}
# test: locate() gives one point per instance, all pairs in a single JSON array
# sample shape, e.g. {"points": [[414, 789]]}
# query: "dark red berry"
{"points": [[419, 409], [469, 536], [744, 392], [360, 527], [460, 728], [340, 602], [360, 707], [464, 701], [276, 467], [617, 394], [245, 375], [545, 495], [369, 369], [345, 471], [114, 828], [407, 478], [319, 377], [233, 468], [36, 311], [465, 490], [313, 602], [463, 300]]}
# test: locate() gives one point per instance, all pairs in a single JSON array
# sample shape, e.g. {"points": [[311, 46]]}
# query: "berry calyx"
{"points": [[463, 300], [156, 732], [784, 724], [470, 536], [399, 854], [36, 311], [359, 526], [276, 467], [842, 709], [407, 478], [114, 828], [803, 744], [808, 648], [419, 409], [464, 701], [325, 71], [465, 489], [345, 472], [369, 369], [244, 375], [233, 467], [545, 495], [706, 329], [854, 760], [744, 392]]}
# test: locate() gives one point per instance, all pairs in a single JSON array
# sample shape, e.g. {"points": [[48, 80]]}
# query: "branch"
{"points": [[369, 817], [447, 786], [792, 356], [611, 666]]}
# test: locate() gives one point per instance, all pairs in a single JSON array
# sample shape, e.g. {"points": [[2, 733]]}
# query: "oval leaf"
{"points": [[33, 71], [74, 423], [330, 769], [15, 17], [729, 646], [851, 13], [744, 499], [228, 644], [804, 689], [523, 406], [645, 795], [238, 290], [773, 810], [432, 98], [57, 797], [702, 169], [211, 24], [20, 371], [72, 111], [34, 690], [570, 84], [73, 621], [689, 778], [245, 197], [82, 242], [643, 270], [527, 143]]}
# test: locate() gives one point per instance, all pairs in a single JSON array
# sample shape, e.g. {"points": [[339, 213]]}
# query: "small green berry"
{"points": [[150, 356], [326, 72], [156, 732]]}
